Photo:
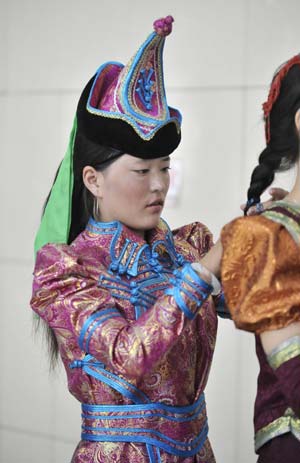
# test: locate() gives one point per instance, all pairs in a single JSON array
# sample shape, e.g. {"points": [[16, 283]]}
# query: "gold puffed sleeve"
{"points": [[260, 274]]}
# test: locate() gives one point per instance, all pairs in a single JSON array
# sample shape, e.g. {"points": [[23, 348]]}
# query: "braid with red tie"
{"points": [[282, 139]]}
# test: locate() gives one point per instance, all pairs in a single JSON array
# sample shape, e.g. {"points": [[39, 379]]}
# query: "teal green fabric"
{"points": [[56, 220]]}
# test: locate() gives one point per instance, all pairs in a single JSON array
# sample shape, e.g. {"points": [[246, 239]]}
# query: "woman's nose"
{"points": [[159, 182]]}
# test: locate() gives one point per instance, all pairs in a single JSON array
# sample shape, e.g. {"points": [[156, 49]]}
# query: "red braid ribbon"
{"points": [[274, 92]]}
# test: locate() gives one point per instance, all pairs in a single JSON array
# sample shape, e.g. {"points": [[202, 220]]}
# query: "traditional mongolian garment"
{"points": [[136, 330], [261, 279]]}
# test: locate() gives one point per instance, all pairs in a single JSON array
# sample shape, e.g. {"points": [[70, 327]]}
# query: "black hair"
{"points": [[282, 150], [86, 153]]}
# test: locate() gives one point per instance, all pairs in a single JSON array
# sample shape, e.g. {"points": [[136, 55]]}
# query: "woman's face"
{"points": [[133, 191]]}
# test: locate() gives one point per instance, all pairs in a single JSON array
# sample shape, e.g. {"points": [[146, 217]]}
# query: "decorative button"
{"points": [[76, 364]]}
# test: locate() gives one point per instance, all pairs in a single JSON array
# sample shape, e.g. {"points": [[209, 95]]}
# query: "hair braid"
{"points": [[282, 150], [262, 175]]}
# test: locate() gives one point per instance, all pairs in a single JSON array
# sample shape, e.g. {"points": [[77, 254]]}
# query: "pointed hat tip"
{"points": [[163, 26]]}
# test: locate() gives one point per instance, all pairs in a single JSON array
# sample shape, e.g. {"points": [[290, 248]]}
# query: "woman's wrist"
{"points": [[207, 276], [212, 260]]}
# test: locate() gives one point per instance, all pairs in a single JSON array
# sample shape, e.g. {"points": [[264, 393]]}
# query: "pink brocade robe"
{"points": [[110, 294]]}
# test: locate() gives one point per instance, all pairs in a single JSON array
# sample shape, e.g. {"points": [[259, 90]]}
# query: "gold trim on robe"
{"points": [[287, 423], [284, 352]]}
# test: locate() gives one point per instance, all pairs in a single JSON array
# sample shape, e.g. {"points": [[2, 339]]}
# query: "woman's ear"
{"points": [[297, 120], [92, 180]]}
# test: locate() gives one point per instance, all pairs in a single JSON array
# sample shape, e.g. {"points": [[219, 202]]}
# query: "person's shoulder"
{"points": [[191, 229], [286, 215], [248, 226], [279, 215], [52, 253], [196, 234], [283, 207]]}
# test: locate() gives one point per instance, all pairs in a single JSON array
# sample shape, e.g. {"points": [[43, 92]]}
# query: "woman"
{"points": [[261, 275], [128, 302]]}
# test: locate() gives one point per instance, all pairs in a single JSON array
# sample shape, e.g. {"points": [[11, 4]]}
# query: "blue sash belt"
{"points": [[180, 431]]}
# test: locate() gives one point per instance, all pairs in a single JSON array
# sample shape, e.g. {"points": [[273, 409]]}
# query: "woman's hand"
{"points": [[276, 195]]}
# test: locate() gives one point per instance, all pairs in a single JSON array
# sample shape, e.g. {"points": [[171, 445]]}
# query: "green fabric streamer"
{"points": [[56, 220]]}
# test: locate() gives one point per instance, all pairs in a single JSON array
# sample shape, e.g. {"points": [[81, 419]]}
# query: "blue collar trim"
{"points": [[131, 254]]}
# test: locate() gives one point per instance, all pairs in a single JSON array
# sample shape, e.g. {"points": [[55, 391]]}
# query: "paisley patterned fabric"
{"points": [[260, 276], [135, 326], [260, 271]]}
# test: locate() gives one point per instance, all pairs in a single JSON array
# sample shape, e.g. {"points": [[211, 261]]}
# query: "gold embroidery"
{"points": [[287, 423], [284, 352], [290, 224], [147, 126], [133, 124], [131, 93], [260, 273]]}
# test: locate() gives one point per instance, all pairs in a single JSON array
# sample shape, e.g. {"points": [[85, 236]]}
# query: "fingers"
{"points": [[253, 210], [258, 208], [277, 193]]}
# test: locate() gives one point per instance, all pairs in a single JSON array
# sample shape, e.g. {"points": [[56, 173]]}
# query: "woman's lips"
{"points": [[157, 202], [156, 206]]}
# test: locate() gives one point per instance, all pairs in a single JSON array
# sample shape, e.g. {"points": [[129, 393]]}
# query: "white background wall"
{"points": [[218, 64]]}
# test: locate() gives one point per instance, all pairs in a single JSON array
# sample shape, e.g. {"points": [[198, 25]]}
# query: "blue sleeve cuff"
{"points": [[189, 290]]}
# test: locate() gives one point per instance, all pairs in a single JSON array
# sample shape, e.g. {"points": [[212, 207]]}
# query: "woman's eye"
{"points": [[142, 171], [165, 169]]}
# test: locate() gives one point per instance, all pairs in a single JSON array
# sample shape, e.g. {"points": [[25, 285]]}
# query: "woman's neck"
{"points": [[294, 195]]}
